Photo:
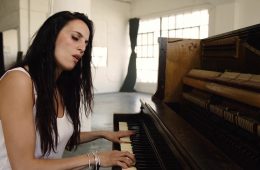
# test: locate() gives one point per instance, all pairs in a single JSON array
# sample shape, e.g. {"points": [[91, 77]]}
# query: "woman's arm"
{"points": [[16, 114], [109, 135], [16, 105]]}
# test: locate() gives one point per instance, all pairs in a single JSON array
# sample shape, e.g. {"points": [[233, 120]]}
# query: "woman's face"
{"points": [[71, 44]]}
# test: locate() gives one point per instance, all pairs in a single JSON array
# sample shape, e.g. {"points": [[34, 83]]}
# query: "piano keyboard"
{"points": [[148, 156], [126, 146], [124, 126]]}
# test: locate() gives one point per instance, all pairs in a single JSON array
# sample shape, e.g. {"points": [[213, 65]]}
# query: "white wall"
{"points": [[236, 14], [83, 6], [32, 15], [9, 25], [9, 14], [247, 13], [34, 12], [223, 18], [10, 46], [111, 21]]}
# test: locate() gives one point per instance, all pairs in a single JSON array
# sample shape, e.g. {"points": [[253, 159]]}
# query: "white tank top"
{"points": [[65, 130]]}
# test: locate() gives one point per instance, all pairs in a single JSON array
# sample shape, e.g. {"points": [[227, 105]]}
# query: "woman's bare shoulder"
{"points": [[15, 80], [16, 83], [16, 90]]}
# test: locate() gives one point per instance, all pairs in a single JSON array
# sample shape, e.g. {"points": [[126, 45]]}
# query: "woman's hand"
{"points": [[115, 136], [116, 158]]}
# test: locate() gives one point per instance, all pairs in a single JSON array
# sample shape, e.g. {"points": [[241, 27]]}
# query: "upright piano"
{"points": [[205, 113]]}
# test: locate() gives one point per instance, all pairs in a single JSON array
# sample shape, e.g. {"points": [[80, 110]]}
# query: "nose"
{"points": [[82, 47], [81, 51]]}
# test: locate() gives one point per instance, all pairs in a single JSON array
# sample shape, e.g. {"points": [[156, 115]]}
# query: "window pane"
{"points": [[144, 51], [171, 22], [172, 34], [139, 42], [156, 36], [156, 51], [204, 31], [189, 24], [179, 33], [165, 25], [138, 63], [165, 33], [150, 38], [186, 33], [179, 21], [138, 51], [195, 18], [150, 51], [141, 25], [204, 17], [187, 20], [195, 32], [144, 39], [155, 25], [145, 26]]}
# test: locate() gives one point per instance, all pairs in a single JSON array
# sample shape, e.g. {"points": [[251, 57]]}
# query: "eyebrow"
{"points": [[79, 33]]}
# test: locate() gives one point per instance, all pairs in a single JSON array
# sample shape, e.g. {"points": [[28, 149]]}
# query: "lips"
{"points": [[77, 57]]}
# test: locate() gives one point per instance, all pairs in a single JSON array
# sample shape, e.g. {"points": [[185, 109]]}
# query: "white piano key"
{"points": [[126, 147], [123, 126], [125, 139], [131, 168]]}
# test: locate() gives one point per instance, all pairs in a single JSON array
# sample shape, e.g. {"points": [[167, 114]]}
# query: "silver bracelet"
{"points": [[89, 161], [89, 165], [97, 160]]}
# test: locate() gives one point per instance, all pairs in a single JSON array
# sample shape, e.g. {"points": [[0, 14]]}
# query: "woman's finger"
{"points": [[122, 164]]}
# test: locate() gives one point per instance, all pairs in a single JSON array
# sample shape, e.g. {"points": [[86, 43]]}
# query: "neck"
{"points": [[57, 73]]}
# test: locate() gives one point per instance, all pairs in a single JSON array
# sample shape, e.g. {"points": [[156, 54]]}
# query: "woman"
{"points": [[40, 99]]}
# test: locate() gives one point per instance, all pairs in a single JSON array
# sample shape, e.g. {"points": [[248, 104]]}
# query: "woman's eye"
{"points": [[75, 38]]}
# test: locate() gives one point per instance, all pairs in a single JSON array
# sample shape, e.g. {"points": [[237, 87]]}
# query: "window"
{"points": [[192, 25], [147, 50]]}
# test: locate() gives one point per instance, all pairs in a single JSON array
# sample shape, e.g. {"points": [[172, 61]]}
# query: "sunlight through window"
{"points": [[192, 24]]}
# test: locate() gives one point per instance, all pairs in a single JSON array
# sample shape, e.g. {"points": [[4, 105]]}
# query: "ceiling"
{"points": [[128, 1], [210, 1]]}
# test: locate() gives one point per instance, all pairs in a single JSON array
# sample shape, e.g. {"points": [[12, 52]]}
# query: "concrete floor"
{"points": [[105, 105]]}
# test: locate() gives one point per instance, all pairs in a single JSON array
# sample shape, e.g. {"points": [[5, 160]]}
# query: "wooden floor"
{"points": [[105, 105]]}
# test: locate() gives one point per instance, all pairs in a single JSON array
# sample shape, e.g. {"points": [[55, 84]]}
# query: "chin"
{"points": [[69, 67]]}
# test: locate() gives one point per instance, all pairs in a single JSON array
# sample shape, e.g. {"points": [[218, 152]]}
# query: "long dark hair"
{"points": [[72, 85]]}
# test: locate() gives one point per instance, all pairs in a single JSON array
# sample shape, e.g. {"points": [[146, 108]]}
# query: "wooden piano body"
{"points": [[207, 104]]}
